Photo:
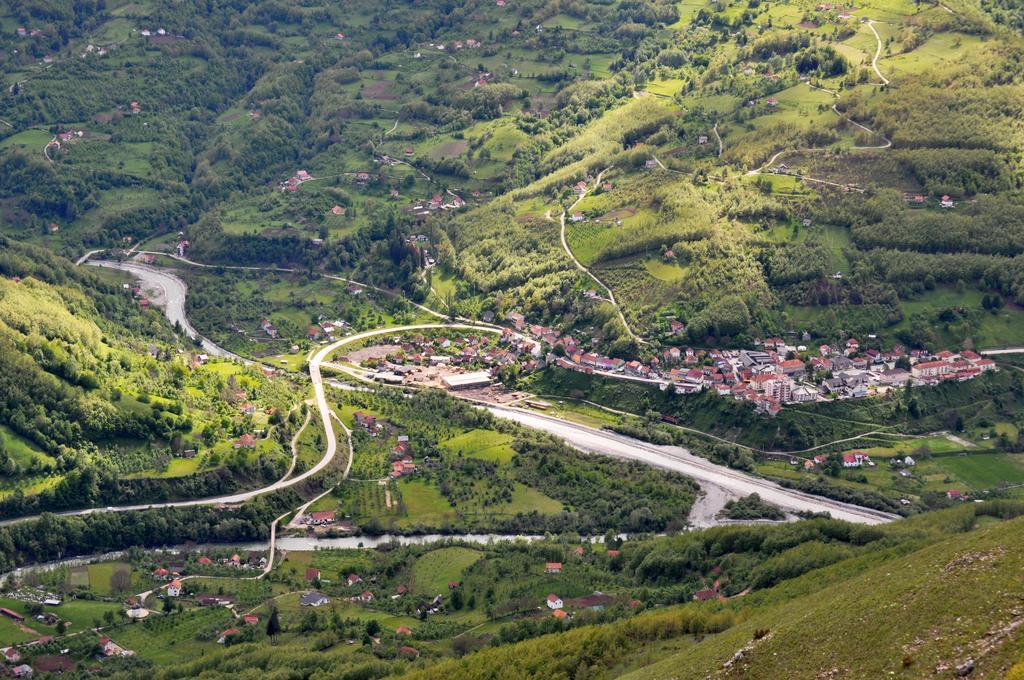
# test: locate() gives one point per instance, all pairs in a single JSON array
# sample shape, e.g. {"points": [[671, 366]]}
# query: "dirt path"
{"points": [[721, 146], [295, 444], [579, 265], [886, 143], [961, 441], [878, 52]]}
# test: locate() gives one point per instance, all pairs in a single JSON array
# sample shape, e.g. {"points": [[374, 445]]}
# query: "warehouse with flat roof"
{"points": [[467, 381]]}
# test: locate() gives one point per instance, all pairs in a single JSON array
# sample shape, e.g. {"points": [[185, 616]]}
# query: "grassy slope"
{"points": [[932, 608], [901, 612], [435, 570]]}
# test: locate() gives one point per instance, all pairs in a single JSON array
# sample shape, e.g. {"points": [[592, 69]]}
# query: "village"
{"points": [[773, 373], [203, 595], [770, 375]]}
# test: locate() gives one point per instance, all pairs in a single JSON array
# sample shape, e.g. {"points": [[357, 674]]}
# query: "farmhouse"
{"points": [[215, 600], [553, 568], [111, 648], [312, 574], [11, 614], [246, 441], [313, 599], [856, 459], [226, 634], [320, 518], [554, 602]]}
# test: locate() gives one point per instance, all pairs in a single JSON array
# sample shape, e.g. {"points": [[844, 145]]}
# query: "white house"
{"points": [[554, 602], [174, 588]]}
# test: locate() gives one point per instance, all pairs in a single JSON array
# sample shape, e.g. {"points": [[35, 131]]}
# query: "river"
{"points": [[168, 291], [293, 544]]}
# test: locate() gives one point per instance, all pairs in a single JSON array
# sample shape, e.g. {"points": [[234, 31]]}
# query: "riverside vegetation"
{"points": [[640, 174]]}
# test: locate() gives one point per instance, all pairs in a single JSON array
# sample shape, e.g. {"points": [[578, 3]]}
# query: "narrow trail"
{"points": [[721, 145], [878, 52], [295, 444], [579, 265], [886, 143]]}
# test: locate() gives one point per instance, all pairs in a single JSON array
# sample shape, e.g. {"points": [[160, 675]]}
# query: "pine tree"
{"points": [[273, 625]]}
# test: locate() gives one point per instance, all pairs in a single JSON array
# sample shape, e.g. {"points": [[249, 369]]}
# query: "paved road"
{"points": [[682, 461], [325, 417], [582, 437], [725, 480]]}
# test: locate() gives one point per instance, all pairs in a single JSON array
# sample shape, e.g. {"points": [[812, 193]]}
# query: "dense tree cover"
{"points": [[52, 333], [796, 427], [830, 552], [89, 377], [751, 507], [54, 537], [92, 487], [990, 225], [598, 493]]}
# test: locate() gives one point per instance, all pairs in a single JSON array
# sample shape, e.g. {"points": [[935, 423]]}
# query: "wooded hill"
{"points": [[100, 403]]}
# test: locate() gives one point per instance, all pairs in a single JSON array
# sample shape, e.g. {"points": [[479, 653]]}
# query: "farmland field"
{"points": [[483, 444], [432, 572], [985, 470]]}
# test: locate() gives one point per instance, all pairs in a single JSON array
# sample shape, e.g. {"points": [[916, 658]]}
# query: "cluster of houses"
{"points": [[468, 43], [402, 463], [914, 200], [772, 373], [458, 354], [66, 137], [424, 207], [173, 572], [293, 182], [50, 664]]}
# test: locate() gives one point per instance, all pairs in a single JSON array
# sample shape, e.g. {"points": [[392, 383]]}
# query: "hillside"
{"points": [[403, 244], [817, 599], [919, 615], [101, 404]]}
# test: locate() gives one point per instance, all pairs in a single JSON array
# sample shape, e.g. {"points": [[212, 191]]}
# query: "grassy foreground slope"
{"points": [[918, 615]]}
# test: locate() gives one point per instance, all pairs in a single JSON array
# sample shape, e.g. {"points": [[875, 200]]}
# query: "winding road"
{"points": [[724, 482], [878, 52], [170, 293], [592, 440], [579, 265]]}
